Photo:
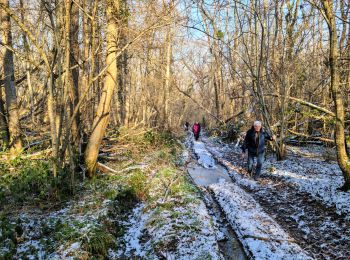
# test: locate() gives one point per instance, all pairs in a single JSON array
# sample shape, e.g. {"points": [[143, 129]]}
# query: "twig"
{"points": [[269, 239], [37, 153], [36, 143], [105, 168], [168, 188]]}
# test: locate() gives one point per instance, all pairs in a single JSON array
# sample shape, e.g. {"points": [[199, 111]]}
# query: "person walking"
{"points": [[196, 129], [254, 142], [186, 126]]}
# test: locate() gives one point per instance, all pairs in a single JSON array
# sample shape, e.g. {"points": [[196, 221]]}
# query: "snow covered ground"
{"points": [[262, 237], [177, 226], [43, 232], [293, 212], [304, 168], [318, 178], [185, 232], [300, 194]]}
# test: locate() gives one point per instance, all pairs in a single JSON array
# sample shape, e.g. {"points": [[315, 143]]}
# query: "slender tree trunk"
{"points": [[94, 63], [4, 131], [74, 73], [167, 81], [103, 111], [9, 82], [122, 63], [342, 157], [27, 51], [85, 51]]}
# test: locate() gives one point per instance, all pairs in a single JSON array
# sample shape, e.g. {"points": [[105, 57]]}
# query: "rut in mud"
{"points": [[229, 245], [316, 227]]}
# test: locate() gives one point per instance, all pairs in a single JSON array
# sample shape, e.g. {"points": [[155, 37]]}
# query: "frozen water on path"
{"points": [[208, 172], [204, 177], [261, 236], [204, 157], [205, 173]]}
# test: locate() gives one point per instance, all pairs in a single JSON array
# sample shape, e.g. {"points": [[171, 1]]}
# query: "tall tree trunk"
{"points": [[342, 157], [74, 73], [86, 32], [102, 117], [9, 82], [167, 80], [4, 131], [71, 90], [122, 63], [27, 54], [287, 73]]}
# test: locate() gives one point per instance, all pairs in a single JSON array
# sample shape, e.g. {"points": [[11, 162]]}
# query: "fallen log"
{"points": [[105, 168], [312, 137]]}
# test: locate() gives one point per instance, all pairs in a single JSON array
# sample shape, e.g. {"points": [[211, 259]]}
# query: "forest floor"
{"points": [[158, 198], [300, 194], [141, 204]]}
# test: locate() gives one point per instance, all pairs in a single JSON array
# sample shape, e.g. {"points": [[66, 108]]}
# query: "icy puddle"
{"points": [[205, 172], [205, 177]]}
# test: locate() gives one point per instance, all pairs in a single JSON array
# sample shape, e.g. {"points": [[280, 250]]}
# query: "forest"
{"points": [[96, 161]]}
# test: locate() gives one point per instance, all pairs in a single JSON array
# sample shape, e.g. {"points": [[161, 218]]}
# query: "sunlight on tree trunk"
{"points": [[342, 156], [14, 126], [103, 111]]}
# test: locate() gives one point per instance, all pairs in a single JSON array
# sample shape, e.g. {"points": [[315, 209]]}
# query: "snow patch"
{"points": [[185, 232], [261, 236], [318, 178]]}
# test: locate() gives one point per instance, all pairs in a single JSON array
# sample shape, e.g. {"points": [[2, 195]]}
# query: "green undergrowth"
{"points": [[146, 165], [31, 182], [172, 210]]}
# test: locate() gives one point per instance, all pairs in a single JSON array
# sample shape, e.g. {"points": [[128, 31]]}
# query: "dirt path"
{"points": [[236, 210], [316, 228], [230, 247]]}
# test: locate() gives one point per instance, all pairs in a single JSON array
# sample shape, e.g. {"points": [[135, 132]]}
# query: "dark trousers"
{"points": [[196, 136], [260, 160]]}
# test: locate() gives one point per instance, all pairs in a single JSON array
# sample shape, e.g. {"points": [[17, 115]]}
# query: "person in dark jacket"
{"points": [[196, 129], [186, 126], [254, 142]]}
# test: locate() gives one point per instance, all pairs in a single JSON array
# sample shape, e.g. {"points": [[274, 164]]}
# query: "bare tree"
{"points": [[9, 83], [102, 116], [342, 156]]}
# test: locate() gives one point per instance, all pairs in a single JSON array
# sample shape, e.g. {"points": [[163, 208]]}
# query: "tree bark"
{"points": [[9, 82], [167, 80], [74, 73], [103, 111], [4, 131], [342, 157], [122, 63]]}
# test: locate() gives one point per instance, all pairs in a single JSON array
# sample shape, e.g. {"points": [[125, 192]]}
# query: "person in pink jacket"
{"points": [[196, 129]]}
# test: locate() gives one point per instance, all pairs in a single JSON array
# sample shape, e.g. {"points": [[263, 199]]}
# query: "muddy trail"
{"points": [[264, 239], [315, 227], [229, 245]]}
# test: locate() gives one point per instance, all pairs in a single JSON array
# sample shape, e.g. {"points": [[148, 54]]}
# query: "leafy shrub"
{"points": [[138, 184], [149, 137], [165, 138], [97, 241], [23, 180], [7, 238]]}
